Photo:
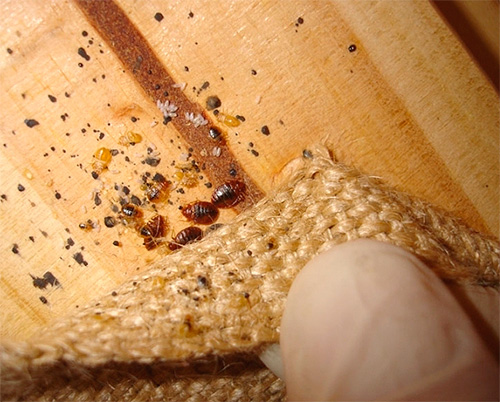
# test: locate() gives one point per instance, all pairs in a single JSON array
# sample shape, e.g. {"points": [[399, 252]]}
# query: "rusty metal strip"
{"points": [[141, 61]]}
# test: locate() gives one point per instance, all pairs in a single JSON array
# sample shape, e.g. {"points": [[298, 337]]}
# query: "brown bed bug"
{"points": [[153, 231], [201, 212], [131, 211], [229, 194], [155, 227], [186, 236]]}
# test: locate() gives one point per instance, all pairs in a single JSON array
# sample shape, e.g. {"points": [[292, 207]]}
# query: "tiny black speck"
{"points": [[83, 53], [135, 200], [254, 72], [43, 299], [254, 152], [233, 172], [158, 17], [20, 187], [213, 102], [152, 161], [265, 130], [79, 259], [109, 221], [15, 248], [97, 200], [134, 119], [31, 123], [52, 98], [9, 50], [190, 15], [300, 20], [95, 175], [307, 154], [57, 195], [352, 48], [84, 33]]}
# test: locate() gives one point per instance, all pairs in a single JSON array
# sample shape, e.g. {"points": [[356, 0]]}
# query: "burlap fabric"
{"points": [[190, 327]]}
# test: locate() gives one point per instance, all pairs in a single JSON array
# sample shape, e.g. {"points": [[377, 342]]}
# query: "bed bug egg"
{"points": [[102, 158], [201, 212], [186, 236], [229, 194]]}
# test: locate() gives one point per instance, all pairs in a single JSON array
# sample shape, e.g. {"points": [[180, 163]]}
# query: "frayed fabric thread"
{"points": [[190, 327]]}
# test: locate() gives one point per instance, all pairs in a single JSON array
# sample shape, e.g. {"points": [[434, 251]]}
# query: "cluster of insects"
{"points": [[227, 195], [157, 189], [154, 230]]}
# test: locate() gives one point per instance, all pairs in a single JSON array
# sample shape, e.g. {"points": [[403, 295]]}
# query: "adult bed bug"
{"points": [[229, 194], [201, 212], [153, 231], [185, 236]]}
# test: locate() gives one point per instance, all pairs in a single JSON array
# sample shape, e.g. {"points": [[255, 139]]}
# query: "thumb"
{"points": [[367, 320]]}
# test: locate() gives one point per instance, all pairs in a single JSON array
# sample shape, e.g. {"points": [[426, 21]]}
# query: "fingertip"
{"points": [[362, 319]]}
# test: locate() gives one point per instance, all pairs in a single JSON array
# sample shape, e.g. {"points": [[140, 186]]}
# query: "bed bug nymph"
{"points": [[102, 158], [201, 212], [132, 215], [186, 236], [229, 194], [159, 189]]}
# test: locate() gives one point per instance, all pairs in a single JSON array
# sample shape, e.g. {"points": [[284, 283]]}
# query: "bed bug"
{"points": [[215, 133], [229, 194], [132, 211], [186, 175], [201, 212], [102, 158], [228, 120], [186, 236], [153, 231], [130, 138], [132, 215], [155, 227], [158, 190]]}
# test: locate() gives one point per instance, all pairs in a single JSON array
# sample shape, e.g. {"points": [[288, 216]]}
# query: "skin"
{"points": [[368, 321]]}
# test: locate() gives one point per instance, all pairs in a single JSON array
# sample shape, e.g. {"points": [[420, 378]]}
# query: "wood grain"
{"points": [[409, 105]]}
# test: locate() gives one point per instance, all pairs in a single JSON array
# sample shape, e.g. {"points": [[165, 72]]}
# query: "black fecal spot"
{"points": [[78, 257], [83, 53], [31, 123]]}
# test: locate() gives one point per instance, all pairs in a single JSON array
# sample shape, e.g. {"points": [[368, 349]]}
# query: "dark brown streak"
{"points": [[140, 60]]}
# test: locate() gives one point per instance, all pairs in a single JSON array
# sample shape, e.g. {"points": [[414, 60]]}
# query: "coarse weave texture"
{"points": [[189, 328]]}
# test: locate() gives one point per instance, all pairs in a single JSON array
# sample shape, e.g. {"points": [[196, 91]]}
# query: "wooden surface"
{"points": [[409, 105]]}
